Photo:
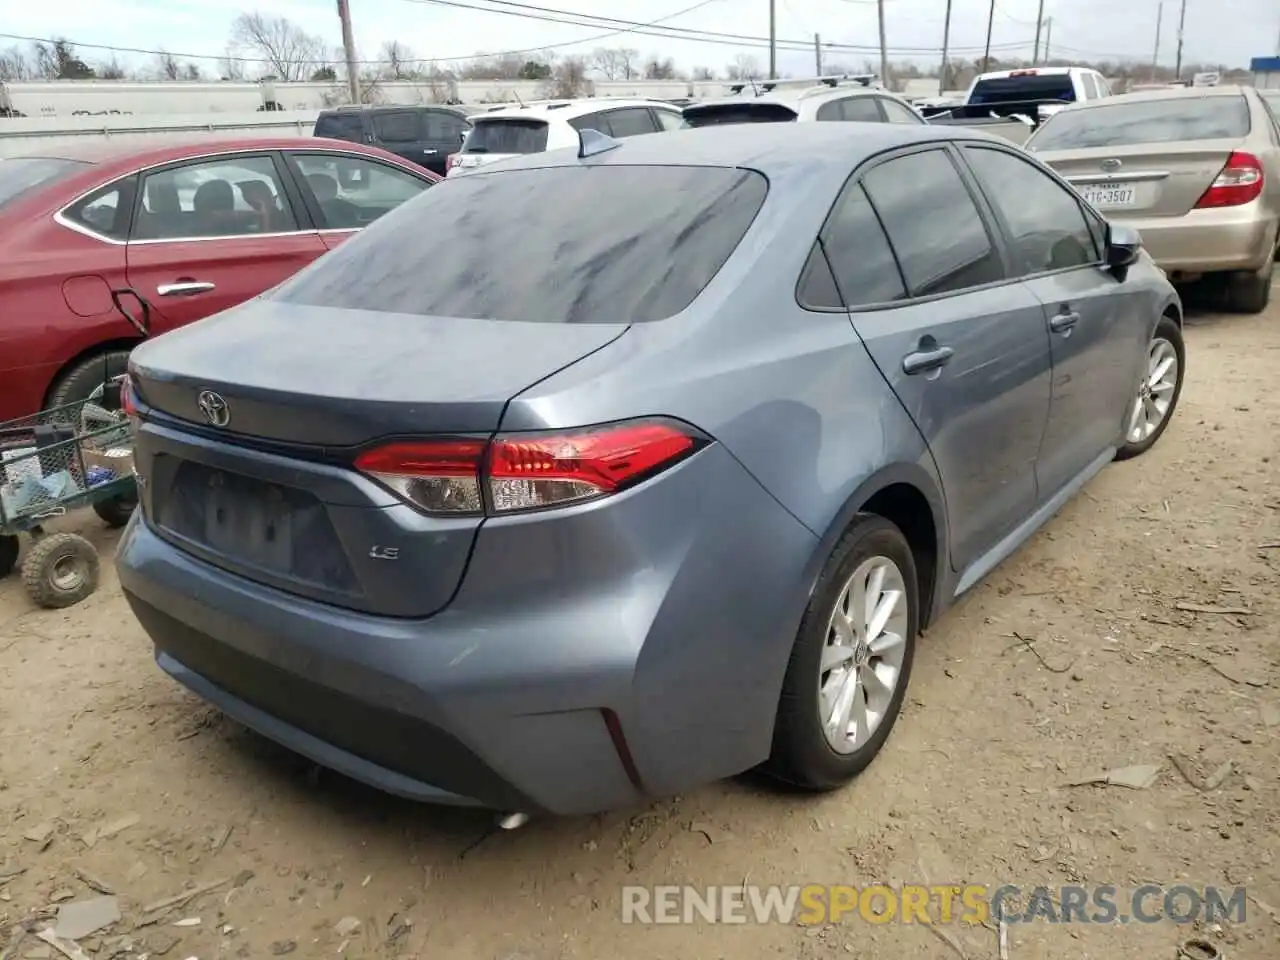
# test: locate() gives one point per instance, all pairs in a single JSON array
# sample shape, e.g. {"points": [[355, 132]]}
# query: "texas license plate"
{"points": [[1108, 195]]}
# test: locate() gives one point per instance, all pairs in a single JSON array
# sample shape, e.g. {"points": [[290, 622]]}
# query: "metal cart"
{"points": [[76, 455]]}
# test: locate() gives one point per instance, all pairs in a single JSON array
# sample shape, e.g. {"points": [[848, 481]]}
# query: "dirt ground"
{"points": [[142, 789]]}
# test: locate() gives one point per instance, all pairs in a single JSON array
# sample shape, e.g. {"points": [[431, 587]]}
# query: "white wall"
{"points": [[62, 98], [27, 135]]}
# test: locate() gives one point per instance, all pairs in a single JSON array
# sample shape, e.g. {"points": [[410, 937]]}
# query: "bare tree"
{"points": [[489, 67], [167, 66], [111, 69], [398, 61], [15, 65], [702, 74], [231, 67], [659, 68], [58, 60], [192, 71], [569, 80], [288, 51], [744, 67], [616, 63]]}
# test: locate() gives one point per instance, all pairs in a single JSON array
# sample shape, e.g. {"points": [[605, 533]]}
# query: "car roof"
{"points": [[778, 150], [567, 109], [1027, 71], [383, 107], [137, 155], [1165, 93], [793, 100]]}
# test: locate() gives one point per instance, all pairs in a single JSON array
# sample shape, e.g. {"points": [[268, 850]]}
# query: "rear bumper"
{"points": [[1206, 241], [671, 608]]}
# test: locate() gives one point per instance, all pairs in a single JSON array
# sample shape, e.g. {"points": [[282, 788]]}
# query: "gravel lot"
{"points": [[125, 779]]}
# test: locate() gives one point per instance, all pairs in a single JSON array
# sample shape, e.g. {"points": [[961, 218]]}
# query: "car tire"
{"points": [[8, 553], [1251, 292], [60, 570], [78, 382], [1141, 429], [116, 511], [809, 750]]}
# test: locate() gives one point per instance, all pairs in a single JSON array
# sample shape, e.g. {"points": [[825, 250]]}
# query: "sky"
{"points": [[1216, 31]]}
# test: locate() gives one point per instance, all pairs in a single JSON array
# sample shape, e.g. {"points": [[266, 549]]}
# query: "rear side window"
{"points": [[1117, 123], [859, 253], [400, 126], [20, 174], [606, 244], [935, 227], [1029, 86], [899, 113], [507, 135], [106, 212], [340, 126], [721, 113]]}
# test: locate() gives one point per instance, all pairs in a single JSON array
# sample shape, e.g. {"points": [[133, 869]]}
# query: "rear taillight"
{"points": [[1239, 182], [516, 472]]}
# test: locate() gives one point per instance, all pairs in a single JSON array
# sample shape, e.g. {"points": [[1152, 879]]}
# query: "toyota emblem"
{"points": [[1111, 164], [214, 408]]}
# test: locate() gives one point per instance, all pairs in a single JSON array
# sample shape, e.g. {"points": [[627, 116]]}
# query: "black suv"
{"points": [[424, 135]]}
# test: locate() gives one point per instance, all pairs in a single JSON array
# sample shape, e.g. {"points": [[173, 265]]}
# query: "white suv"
{"points": [[509, 131], [830, 99]]}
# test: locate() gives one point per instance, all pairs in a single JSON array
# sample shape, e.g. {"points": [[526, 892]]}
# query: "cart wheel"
{"points": [[116, 511], [8, 554], [60, 570]]}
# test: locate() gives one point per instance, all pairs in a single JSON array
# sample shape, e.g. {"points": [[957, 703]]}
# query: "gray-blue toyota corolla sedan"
{"points": [[605, 473]]}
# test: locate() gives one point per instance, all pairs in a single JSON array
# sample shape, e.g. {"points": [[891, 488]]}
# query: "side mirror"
{"points": [[1124, 244]]}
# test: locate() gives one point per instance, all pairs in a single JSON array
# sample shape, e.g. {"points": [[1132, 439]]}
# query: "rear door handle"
{"points": [[1064, 322], [926, 361], [184, 288]]}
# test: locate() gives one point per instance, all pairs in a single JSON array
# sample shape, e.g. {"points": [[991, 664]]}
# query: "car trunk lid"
{"points": [[1143, 180], [327, 377]]}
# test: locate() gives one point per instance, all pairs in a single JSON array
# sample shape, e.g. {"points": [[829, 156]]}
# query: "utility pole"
{"points": [[884, 49], [817, 54], [1048, 36], [349, 48], [1155, 57], [946, 39], [1182, 18], [773, 40], [986, 54], [1035, 51]]}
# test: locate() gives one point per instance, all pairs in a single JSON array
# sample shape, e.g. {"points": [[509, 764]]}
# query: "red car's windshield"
{"points": [[20, 174]]}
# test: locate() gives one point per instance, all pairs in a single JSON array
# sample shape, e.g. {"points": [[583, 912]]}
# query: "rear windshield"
{"points": [[716, 114], [605, 244], [507, 135], [1053, 86], [340, 126], [1118, 123], [20, 174]]}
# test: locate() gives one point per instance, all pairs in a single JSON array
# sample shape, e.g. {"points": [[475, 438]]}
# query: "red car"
{"points": [[194, 229]]}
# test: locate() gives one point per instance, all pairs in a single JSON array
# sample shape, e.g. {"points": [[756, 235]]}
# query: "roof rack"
{"points": [[804, 83]]}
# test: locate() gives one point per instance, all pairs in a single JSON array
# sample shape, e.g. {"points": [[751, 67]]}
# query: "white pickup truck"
{"points": [[1012, 103]]}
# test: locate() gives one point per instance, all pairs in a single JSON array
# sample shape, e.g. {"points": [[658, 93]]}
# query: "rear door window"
{"points": [[896, 112], [630, 122], [851, 108], [443, 126], [921, 199], [606, 244], [859, 252], [20, 174], [341, 126], [507, 135], [398, 126], [669, 120], [1117, 123], [1091, 91]]}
